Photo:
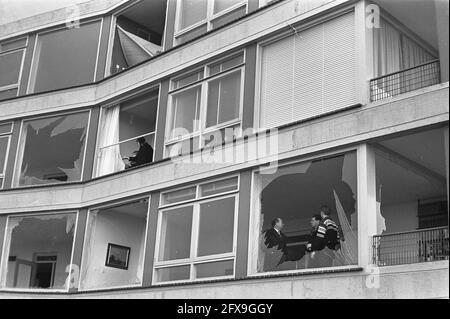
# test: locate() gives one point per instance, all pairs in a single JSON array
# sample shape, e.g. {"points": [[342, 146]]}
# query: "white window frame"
{"points": [[203, 83], [124, 99], [33, 68], [5, 252], [85, 244], [254, 234], [22, 48], [8, 146], [194, 260], [208, 21], [18, 161]]}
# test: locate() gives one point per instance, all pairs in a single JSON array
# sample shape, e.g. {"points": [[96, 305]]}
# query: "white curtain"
{"points": [[394, 51], [109, 157]]}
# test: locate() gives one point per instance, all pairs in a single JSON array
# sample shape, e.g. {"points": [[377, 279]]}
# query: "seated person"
{"points": [[142, 156]]}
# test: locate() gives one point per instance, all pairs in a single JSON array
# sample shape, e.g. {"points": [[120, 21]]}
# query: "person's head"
{"points": [[141, 140], [315, 220], [277, 223], [325, 211]]}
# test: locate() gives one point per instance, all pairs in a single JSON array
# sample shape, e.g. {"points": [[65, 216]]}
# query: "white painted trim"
{"points": [[19, 79]]}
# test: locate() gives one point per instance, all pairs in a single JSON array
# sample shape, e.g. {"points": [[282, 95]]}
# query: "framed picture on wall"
{"points": [[117, 256]]}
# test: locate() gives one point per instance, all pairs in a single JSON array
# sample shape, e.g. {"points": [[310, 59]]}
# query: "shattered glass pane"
{"points": [[294, 194], [39, 250], [52, 149]]}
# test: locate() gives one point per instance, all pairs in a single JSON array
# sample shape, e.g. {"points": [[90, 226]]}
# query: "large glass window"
{"points": [[113, 253], [51, 150], [138, 34], [65, 58], [197, 232], [288, 233], [38, 251], [205, 102], [127, 134], [11, 59], [5, 136], [195, 17]]}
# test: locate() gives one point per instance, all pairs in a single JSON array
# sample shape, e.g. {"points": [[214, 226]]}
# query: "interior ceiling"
{"points": [[418, 15], [138, 209], [149, 13], [398, 184]]}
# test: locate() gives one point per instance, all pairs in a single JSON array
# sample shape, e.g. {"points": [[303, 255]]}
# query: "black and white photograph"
{"points": [[228, 157]]}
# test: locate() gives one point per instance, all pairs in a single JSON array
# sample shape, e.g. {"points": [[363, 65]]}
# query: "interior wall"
{"points": [[120, 229], [400, 217], [26, 251]]}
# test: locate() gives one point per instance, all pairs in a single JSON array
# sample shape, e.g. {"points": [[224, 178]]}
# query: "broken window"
{"points": [[138, 34], [127, 134], [5, 136], [39, 250], [197, 232], [220, 83], [294, 194], [52, 149], [195, 17], [12, 54], [124, 228], [65, 57]]}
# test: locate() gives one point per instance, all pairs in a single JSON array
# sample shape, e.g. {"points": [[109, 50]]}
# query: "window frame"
{"points": [[91, 210], [18, 168], [193, 259], [203, 83], [119, 101], [6, 250], [33, 66], [22, 48], [208, 21], [253, 238], [7, 135]]}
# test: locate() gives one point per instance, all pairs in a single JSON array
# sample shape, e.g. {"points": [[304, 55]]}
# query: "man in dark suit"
{"points": [[144, 155], [274, 237]]}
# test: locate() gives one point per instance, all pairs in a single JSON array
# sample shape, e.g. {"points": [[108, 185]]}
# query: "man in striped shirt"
{"points": [[332, 238]]}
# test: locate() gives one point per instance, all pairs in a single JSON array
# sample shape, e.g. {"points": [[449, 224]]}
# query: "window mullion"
{"points": [[194, 236]]}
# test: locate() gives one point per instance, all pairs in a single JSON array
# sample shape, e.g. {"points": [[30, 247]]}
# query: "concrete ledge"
{"points": [[343, 129], [427, 280]]}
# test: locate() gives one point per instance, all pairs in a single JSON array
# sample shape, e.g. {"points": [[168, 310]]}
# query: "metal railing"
{"points": [[406, 80], [410, 247]]}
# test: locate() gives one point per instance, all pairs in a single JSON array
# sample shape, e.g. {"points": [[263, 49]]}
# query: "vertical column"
{"points": [[442, 13], [249, 87], [3, 219], [77, 253], [243, 224], [364, 24], [91, 143], [446, 141], [103, 48], [367, 210], [161, 120], [150, 240], [169, 27], [10, 164]]}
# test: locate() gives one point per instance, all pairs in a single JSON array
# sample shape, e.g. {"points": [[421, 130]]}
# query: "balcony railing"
{"points": [[410, 247], [403, 81]]}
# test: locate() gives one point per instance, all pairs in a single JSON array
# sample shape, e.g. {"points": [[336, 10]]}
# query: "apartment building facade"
{"points": [[254, 110]]}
